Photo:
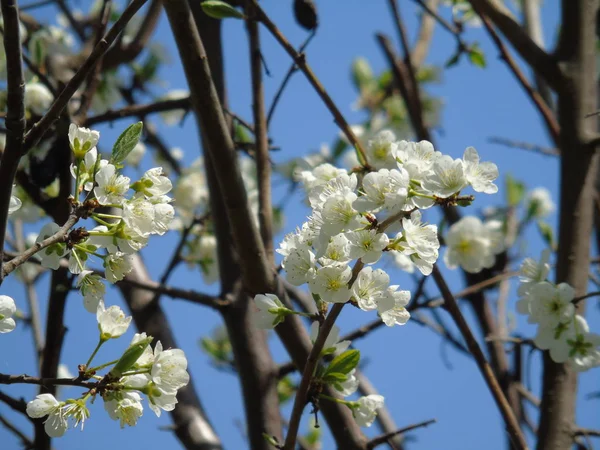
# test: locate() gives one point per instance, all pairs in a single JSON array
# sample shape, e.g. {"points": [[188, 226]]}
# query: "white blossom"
{"points": [[381, 150], [533, 272], [112, 186], [369, 287], [480, 175], [365, 409], [82, 140], [319, 176], [551, 304], [117, 265], [539, 203], [138, 214], [349, 386], [447, 178], [169, 370], [416, 158], [332, 342], [92, 288], [469, 245], [51, 255], [299, 266], [38, 98], [584, 349], [331, 283], [268, 312], [7, 310], [46, 405], [155, 183], [337, 251], [420, 238], [367, 245], [124, 406], [392, 306], [112, 322], [339, 215], [384, 189]]}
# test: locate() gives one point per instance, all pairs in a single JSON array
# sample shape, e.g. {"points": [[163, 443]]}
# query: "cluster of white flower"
{"points": [[157, 374], [349, 222], [560, 330], [147, 211]]}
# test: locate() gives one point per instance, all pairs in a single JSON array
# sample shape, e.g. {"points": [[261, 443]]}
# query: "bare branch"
{"points": [[43, 125], [524, 145], [140, 111], [543, 108], [450, 304], [544, 64], [300, 61], [263, 163], [60, 236], [15, 116], [385, 437], [27, 443]]}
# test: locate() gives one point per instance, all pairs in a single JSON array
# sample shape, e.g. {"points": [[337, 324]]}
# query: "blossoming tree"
{"points": [[384, 196]]}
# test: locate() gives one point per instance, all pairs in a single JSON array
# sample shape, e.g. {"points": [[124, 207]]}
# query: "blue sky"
{"points": [[408, 365]]}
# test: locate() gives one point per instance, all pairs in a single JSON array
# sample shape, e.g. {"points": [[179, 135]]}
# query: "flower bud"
{"points": [[130, 357]]}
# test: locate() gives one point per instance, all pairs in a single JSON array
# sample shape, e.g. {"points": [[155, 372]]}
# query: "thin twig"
{"points": [[524, 145], [140, 110], [184, 294], [263, 163], [44, 124], [450, 304], [26, 379], [385, 437], [27, 443], [543, 108], [31, 295], [59, 236], [288, 76], [300, 61]]}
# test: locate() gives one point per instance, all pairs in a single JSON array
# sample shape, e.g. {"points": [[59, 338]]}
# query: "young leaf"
{"points": [[515, 191], [476, 56], [334, 377], [547, 234], [220, 10], [126, 142], [343, 363]]}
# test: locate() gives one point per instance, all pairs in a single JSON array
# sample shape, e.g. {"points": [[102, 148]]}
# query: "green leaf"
{"points": [[515, 191], [335, 377], [453, 60], [126, 143], [547, 234], [220, 10], [343, 363], [476, 56]]}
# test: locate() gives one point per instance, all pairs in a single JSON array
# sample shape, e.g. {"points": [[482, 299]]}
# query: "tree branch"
{"points": [[43, 125], [544, 64], [263, 162], [137, 110], [540, 104], [300, 61], [385, 437], [191, 424], [15, 116], [60, 236], [450, 304]]}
